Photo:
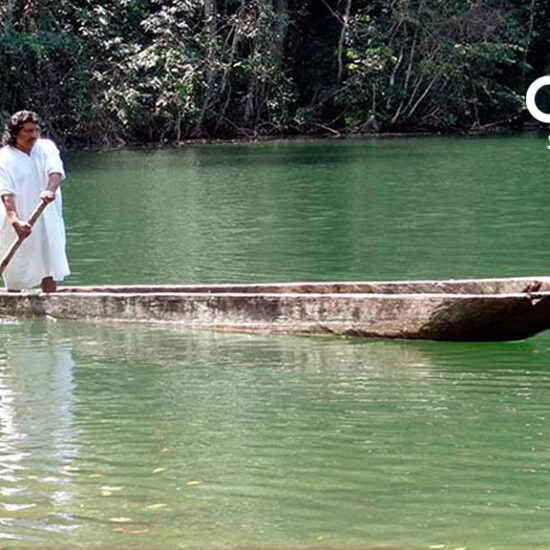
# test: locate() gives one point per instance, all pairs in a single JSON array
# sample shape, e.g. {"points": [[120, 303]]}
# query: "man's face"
{"points": [[27, 136]]}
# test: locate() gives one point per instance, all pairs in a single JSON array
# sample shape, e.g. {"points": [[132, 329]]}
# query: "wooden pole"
{"points": [[17, 243]]}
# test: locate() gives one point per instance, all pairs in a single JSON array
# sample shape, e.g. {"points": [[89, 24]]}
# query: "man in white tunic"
{"points": [[31, 170]]}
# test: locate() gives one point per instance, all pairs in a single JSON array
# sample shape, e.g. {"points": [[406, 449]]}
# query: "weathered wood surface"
{"points": [[472, 310]]}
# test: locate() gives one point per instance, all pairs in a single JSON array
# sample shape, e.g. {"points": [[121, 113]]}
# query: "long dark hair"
{"points": [[15, 123]]}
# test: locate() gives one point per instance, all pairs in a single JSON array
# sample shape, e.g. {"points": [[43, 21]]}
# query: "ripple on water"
{"points": [[228, 441]]}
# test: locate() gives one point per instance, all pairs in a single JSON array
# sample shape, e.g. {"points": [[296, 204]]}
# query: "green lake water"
{"points": [[141, 437]]}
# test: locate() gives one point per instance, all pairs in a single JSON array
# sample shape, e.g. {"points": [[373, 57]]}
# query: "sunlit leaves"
{"points": [[452, 64]]}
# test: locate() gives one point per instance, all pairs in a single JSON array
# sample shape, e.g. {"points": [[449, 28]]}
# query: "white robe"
{"points": [[42, 254]]}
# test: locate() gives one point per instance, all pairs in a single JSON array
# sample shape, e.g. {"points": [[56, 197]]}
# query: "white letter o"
{"points": [[530, 99]]}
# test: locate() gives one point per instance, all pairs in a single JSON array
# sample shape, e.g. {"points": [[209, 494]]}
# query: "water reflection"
{"points": [[165, 438], [36, 429], [361, 209], [257, 431]]}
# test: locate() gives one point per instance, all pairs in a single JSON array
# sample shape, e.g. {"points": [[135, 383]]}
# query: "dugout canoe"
{"points": [[454, 310]]}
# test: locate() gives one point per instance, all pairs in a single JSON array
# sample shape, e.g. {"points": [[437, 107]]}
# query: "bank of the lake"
{"points": [[490, 130]]}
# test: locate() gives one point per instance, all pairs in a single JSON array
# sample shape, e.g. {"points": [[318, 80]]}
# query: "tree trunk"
{"points": [[528, 41], [210, 28], [8, 15], [342, 40], [280, 26]]}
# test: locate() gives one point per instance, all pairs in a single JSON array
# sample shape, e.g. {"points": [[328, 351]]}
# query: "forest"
{"points": [[115, 72]]}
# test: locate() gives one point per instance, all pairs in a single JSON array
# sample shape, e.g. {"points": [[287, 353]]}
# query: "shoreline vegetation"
{"points": [[115, 73]]}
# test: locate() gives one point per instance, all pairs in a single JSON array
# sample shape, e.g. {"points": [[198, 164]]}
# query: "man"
{"points": [[31, 170]]}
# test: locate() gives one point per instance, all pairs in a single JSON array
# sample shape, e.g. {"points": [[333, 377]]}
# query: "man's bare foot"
{"points": [[48, 284]]}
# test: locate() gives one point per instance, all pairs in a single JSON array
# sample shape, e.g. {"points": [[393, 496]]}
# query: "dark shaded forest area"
{"points": [[109, 72]]}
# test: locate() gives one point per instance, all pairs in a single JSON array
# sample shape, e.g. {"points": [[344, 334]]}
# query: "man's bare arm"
{"points": [[54, 181], [23, 229]]}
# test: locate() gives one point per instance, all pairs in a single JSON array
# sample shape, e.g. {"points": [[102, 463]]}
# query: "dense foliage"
{"points": [[116, 71]]}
